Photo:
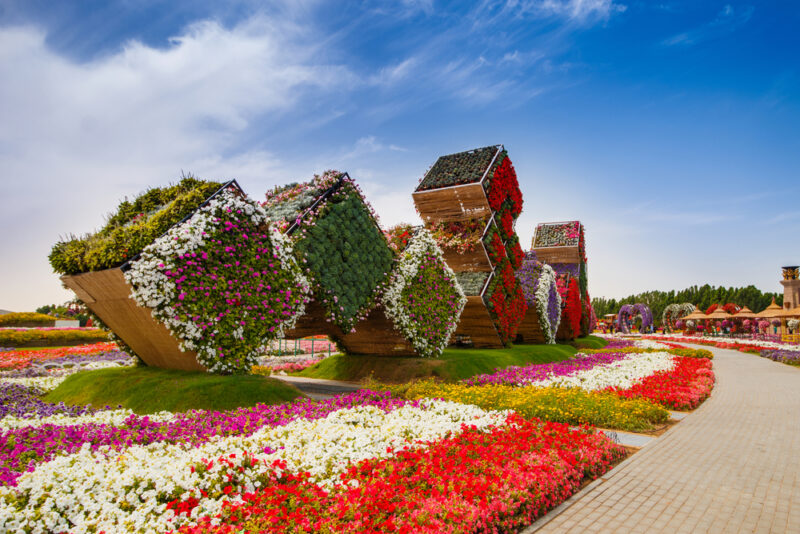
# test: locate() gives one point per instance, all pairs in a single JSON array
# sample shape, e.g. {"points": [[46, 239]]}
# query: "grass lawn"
{"points": [[147, 390], [455, 364]]}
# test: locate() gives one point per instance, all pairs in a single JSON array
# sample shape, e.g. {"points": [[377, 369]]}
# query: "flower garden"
{"points": [[492, 452], [198, 278]]}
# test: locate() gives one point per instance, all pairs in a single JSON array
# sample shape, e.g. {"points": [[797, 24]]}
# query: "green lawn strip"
{"points": [[148, 390], [454, 365], [590, 342]]}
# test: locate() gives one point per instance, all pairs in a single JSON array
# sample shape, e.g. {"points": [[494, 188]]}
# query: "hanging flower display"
{"points": [[463, 236], [423, 297], [538, 283], [223, 282]]}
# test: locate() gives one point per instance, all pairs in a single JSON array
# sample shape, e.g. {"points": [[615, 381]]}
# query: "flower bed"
{"points": [[53, 337], [683, 387], [26, 319], [743, 345], [565, 234], [500, 479], [574, 406], [20, 359], [133, 486], [423, 298], [133, 226], [538, 283]]}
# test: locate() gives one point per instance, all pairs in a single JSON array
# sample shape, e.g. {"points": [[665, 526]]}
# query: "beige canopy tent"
{"points": [[745, 313], [770, 312], [696, 315], [719, 313]]}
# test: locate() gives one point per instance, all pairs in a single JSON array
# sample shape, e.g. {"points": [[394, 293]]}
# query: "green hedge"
{"points": [[346, 254], [133, 226]]}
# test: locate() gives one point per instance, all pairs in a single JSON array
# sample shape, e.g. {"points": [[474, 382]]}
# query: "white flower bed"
{"points": [[649, 344], [127, 491], [622, 373], [45, 383], [105, 417], [744, 341]]}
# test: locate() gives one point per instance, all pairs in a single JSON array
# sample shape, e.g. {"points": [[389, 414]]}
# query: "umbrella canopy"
{"points": [[745, 313], [788, 314], [719, 313], [770, 311], [695, 315]]}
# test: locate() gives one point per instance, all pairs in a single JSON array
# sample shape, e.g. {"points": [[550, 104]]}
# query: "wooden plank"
{"points": [[558, 254], [477, 324], [472, 261], [452, 203], [564, 332], [313, 323], [377, 335], [72, 283], [530, 330], [133, 324]]}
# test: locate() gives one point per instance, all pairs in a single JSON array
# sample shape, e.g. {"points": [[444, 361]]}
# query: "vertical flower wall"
{"points": [[488, 187], [538, 283], [563, 246], [223, 282]]}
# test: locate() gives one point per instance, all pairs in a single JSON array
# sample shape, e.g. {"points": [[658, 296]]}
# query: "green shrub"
{"points": [[50, 338], [347, 256], [133, 226], [26, 319]]}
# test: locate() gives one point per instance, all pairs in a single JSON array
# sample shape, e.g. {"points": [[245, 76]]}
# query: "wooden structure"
{"points": [[374, 335], [107, 294], [467, 200], [530, 331]]}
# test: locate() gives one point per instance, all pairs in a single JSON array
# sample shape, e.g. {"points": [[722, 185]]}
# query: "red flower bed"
{"points": [[497, 481], [507, 224], [683, 388], [741, 346], [514, 252], [19, 359], [496, 249]]}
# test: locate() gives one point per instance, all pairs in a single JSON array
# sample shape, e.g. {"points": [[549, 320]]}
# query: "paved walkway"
{"points": [[731, 466]]}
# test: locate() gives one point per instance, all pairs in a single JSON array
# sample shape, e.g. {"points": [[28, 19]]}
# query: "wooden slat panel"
{"points": [[564, 332], [473, 261], [377, 335], [72, 283], [132, 323], [530, 330], [313, 323], [477, 324], [558, 254], [452, 203]]}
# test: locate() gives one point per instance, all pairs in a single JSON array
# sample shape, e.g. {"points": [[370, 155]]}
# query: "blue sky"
{"points": [[670, 129]]}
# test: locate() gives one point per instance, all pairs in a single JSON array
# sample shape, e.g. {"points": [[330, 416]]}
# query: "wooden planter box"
{"points": [[107, 294], [530, 330], [477, 325], [552, 255], [454, 203], [374, 335], [473, 261]]}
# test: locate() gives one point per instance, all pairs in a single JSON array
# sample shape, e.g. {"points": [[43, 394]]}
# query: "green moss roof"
{"points": [[460, 168]]}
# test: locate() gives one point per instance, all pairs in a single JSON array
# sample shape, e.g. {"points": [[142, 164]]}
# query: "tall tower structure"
{"points": [[791, 287]]}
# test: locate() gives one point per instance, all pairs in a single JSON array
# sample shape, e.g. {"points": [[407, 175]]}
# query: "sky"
{"points": [[670, 129]]}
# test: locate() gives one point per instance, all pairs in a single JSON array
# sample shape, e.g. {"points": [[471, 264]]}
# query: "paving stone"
{"points": [[730, 466]]}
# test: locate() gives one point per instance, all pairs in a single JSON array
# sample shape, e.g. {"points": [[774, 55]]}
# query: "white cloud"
{"points": [[582, 11], [76, 137], [727, 20]]}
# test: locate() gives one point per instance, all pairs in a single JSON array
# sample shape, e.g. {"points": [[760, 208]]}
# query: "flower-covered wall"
{"points": [[562, 245], [538, 282]]}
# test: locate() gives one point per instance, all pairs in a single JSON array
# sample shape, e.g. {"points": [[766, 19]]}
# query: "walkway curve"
{"points": [[733, 465]]}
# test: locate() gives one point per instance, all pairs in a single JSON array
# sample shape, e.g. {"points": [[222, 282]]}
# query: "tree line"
{"points": [[701, 296]]}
